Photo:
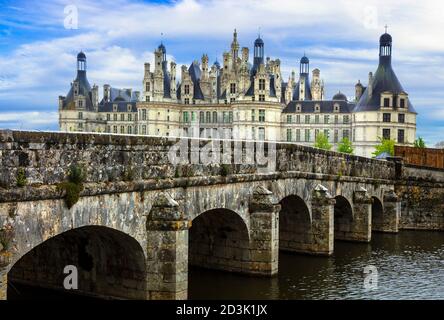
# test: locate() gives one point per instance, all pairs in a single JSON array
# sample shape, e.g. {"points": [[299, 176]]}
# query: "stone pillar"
{"points": [[264, 233], [167, 250], [4, 265], [391, 213], [361, 229], [322, 215]]}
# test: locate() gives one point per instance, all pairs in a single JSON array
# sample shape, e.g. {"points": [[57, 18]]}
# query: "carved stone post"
{"points": [[361, 229], [264, 234], [167, 250], [391, 212], [322, 211], [4, 263]]}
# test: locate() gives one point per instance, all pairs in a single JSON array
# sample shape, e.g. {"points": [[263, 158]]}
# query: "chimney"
{"points": [[370, 84]]}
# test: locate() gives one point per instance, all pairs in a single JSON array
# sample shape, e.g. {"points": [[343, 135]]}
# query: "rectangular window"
{"points": [[253, 133], [401, 135], [147, 86], [307, 119], [147, 98], [289, 118], [208, 117], [232, 88], [298, 135], [346, 134], [402, 103], [130, 130], [307, 135], [122, 129], [261, 133], [327, 133], [253, 116], [225, 117], [336, 119], [261, 84], [336, 136], [115, 129], [289, 135], [115, 117], [144, 114], [386, 102], [261, 115], [401, 118], [80, 115], [214, 117], [232, 100], [316, 118], [185, 117], [144, 129], [187, 101], [326, 119], [386, 133], [122, 117], [230, 116], [130, 117], [346, 119], [386, 117], [193, 116], [298, 118], [108, 117], [261, 97], [187, 89], [201, 117]]}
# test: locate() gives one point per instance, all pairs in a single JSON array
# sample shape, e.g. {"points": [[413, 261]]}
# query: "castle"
{"points": [[244, 100]]}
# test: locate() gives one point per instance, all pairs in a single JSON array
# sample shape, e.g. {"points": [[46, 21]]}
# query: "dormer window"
{"points": [[298, 108], [187, 89], [115, 107], [147, 86], [129, 108], [261, 84], [232, 88], [386, 102], [336, 107], [317, 108], [402, 103]]}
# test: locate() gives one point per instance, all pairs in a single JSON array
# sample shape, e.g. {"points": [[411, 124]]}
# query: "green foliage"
{"points": [[385, 145], [419, 143], [345, 146], [225, 170], [74, 186], [176, 172], [21, 178], [128, 174], [322, 142]]}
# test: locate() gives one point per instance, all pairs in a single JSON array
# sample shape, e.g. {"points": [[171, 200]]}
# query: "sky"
{"points": [[39, 42]]}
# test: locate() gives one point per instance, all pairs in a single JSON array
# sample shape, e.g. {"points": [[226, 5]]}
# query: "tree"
{"points": [[322, 142], [345, 146], [385, 145], [419, 143], [440, 145]]}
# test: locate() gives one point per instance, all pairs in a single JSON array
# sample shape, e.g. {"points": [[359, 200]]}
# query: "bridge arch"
{"points": [[109, 263], [377, 214], [343, 218], [295, 232], [219, 239]]}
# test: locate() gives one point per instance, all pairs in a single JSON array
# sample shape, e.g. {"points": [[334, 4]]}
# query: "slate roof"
{"points": [[307, 88], [84, 89], [121, 106]]}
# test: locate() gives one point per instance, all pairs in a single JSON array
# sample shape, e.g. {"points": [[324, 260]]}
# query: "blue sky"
{"points": [[37, 53]]}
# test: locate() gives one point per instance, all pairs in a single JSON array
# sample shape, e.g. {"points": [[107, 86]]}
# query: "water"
{"points": [[410, 265]]}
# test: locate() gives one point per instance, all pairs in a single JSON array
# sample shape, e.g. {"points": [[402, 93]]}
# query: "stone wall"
{"points": [[46, 157]]}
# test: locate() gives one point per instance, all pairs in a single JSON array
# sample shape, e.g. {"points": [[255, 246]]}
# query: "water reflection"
{"points": [[410, 266]]}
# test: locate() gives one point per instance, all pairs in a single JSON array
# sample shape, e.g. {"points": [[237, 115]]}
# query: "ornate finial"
{"points": [[161, 38], [386, 26], [259, 32]]}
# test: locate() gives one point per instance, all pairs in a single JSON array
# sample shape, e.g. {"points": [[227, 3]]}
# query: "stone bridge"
{"points": [[132, 223]]}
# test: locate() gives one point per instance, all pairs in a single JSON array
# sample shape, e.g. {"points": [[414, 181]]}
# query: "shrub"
{"points": [[21, 178]]}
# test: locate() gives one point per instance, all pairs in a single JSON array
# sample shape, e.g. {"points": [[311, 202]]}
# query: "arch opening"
{"points": [[343, 218], [377, 215], [109, 264], [219, 239], [295, 232]]}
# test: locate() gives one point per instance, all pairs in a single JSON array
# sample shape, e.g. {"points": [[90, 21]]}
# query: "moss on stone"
{"points": [[74, 186], [21, 178]]}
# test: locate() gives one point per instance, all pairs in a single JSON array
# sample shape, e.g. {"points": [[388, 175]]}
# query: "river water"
{"points": [[409, 265]]}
